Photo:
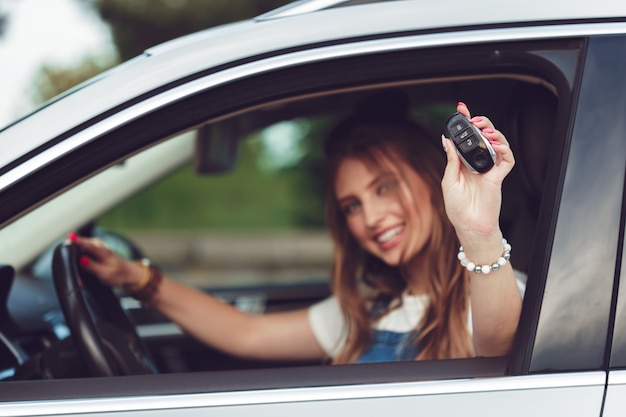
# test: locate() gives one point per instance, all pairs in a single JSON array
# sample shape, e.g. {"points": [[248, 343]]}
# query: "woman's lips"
{"points": [[390, 237]]}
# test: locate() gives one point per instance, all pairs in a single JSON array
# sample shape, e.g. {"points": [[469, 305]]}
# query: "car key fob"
{"points": [[475, 151]]}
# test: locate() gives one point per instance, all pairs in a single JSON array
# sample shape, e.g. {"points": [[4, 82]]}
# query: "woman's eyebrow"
{"points": [[346, 199], [383, 176], [372, 183]]}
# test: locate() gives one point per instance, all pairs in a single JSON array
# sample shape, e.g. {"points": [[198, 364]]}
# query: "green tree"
{"points": [[51, 80], [3, 24], [140, 24]]}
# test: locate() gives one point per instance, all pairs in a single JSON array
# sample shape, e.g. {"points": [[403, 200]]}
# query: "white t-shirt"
{"points": [[330, 329]]}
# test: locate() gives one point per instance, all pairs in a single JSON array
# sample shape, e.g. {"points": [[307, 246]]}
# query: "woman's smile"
{"points": [[390, 238]]}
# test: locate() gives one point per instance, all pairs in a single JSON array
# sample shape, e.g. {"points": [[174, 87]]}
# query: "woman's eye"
{"points": [[386, 187], [351, 208]]}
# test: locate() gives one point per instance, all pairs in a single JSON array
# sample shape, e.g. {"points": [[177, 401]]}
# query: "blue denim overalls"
{"points": [[388, 346]]}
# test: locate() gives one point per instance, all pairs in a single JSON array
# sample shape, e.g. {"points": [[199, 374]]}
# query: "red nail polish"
{"points": [[84, 261], [72, 236], [488, 131], [476, 119]]}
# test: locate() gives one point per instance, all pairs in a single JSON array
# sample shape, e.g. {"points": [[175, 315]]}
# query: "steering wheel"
{"points": [[102, 331]]}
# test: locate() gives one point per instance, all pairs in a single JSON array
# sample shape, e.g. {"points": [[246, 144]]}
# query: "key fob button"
{"points": [[463, 135], [468, 143], [459, 126]]}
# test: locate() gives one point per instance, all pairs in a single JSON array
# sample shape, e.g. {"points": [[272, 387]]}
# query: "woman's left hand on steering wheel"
{"points": [[112, 269]]}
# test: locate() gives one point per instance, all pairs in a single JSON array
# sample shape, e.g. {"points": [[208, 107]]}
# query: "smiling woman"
{"points": [[387, 215]]}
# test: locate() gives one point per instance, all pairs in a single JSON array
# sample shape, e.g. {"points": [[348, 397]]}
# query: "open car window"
{"points": [[250, 227]]}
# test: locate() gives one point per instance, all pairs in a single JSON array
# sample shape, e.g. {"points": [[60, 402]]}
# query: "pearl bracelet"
{"points": [[485, 269]]}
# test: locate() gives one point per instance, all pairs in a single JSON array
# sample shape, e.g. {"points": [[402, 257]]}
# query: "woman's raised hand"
{"points": [[473, 200]]}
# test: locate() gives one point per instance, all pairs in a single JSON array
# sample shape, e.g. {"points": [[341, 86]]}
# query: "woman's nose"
{"points": [[373, 214]]}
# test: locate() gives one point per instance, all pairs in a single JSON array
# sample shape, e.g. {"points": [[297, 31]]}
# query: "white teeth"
{"points": [[389, 234]]}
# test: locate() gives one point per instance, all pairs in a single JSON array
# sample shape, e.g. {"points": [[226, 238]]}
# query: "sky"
{"points": [[38, 32]]}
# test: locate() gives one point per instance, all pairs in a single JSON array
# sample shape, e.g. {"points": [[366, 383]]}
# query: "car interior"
{"points": [[35, 337]]}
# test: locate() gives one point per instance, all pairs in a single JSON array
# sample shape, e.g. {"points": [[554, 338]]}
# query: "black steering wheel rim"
{"points": [[110, 349]]}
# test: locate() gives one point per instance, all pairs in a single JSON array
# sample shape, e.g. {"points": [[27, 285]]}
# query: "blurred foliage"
{"points": [[233, 200], [3, 23], [310, 175], [249, 197], [140, 24], [52, 80]]}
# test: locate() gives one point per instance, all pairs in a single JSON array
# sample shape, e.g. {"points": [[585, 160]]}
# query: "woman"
{"points": [[399, 290]]}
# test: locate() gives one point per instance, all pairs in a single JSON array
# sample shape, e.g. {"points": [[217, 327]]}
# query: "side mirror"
{"points": [[217, 146]]}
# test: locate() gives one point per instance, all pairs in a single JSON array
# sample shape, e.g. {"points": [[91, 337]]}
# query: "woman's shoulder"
{"points": [[328, 325]]}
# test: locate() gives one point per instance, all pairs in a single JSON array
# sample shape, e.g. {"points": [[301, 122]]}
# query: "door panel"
{"points": [[569, 395], [615, 403]]}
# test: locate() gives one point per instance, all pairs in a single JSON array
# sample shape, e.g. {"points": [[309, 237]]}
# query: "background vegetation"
{"points": [[251, 197], [254, 196]]}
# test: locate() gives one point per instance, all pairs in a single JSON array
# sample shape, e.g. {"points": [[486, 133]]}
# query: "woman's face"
{"points": [[389, 214]]}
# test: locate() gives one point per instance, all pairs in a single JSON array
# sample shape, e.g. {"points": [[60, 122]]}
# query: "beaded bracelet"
{"points": [[485, 269]]}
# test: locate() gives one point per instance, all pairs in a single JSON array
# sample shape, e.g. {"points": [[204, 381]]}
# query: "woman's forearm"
{"points": [[494, 297], [220, 325]]}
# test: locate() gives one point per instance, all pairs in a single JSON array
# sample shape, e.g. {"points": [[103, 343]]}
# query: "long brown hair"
{"points": [[379, 133]]}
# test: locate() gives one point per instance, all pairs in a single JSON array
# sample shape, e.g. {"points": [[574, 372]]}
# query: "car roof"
{"points": [[536, 10], [205, 51]]}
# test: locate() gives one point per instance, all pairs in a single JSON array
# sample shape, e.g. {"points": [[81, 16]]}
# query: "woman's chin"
{"points": [[391, 258]]}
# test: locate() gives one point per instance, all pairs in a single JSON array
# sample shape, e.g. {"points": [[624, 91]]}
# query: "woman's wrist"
{"points": [[148, 287], [482, 249], [133, 274]]}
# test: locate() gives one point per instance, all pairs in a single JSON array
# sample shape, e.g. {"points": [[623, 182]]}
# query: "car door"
{"points": [[559, 358]]}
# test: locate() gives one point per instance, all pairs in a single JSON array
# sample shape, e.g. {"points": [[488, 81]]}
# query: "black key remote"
{"points": [[475, 151]]}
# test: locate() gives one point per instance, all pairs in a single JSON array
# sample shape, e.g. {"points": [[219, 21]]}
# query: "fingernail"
{"points": [[72, 236], [84, 261], [476, 119], [460, 103], [488, 131], [443, 143], [495, 142]]}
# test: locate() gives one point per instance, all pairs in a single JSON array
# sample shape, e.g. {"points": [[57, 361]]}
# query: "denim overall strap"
{"points": [[388, 346]]}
